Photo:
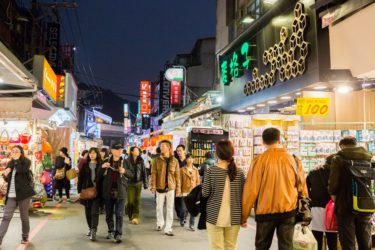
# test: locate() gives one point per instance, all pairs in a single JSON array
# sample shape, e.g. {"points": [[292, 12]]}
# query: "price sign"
{"points": [[313, 106]]}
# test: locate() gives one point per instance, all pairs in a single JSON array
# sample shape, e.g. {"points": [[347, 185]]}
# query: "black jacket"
{"points": [[139, 169], [23, 179], [105, 178], [84, 180], [317, 185], [195, 204], [340, 178]]}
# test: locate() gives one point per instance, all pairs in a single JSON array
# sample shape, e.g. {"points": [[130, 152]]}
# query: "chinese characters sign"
{"points": [[145, 107], [175, 93]]}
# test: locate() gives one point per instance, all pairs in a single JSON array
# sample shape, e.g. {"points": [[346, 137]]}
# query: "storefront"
{"points": [[281, 73]]}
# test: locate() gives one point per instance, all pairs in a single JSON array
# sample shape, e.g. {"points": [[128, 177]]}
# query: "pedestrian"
{"points": [[189, 176], [165, 184], [133, 203], [223, 188], [353, 227], [209, 162], [317, 185], [63, 164], [87, 178], [271, 186], [19, 178], [104, 155], [178, 201], [113, 177], [82, 159]]}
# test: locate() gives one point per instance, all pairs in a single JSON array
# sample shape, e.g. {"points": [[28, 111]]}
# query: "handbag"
{"points": [[45, 178], [39, 190], [88, 193], [4, 137], [60, 173], [25, 137], [14, 137], [47, 162], [303, 212], [71, 174], [330, 217]]}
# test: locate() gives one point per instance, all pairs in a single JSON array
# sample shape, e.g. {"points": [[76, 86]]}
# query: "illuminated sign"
{"points": [[313, 106], [175, 93], [127, 126], [60, 90], [49, 80], [126, 110], [145, 107], [174, 74]]}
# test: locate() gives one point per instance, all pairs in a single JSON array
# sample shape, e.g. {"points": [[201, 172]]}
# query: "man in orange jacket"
{"points": [[271, 186]]}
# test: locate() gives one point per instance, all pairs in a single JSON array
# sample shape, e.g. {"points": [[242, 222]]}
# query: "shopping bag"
{"points": [[39, 190], [71, 174], [303, 238], [45, 178], [330, 217]]}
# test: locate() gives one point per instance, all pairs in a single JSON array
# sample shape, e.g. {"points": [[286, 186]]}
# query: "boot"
{"points": [[93, 235]]}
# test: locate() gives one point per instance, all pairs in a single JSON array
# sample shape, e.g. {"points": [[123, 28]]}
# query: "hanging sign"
{"points": [[145, 97], [174, 74], [175, 93], [313, 106]]}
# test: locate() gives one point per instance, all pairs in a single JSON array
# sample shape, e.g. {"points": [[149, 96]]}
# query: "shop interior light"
{"points": [[247, 20], [344, 89], [250, 108], [272, 102], [298, 94], [241, 111], [286, 98], [320, 87], [261, 105], [219, 99], [366, 85]]}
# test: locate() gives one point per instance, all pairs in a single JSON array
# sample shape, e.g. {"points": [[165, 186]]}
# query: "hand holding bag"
{"points": [[303, 238], [330, 217]]}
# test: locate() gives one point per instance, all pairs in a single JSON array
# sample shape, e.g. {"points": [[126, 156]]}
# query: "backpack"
{"points": [[363, 192]]}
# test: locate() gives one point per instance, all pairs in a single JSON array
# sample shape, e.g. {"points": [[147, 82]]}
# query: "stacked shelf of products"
{"points": [[292, 141], [241, 135], [200, 148]]}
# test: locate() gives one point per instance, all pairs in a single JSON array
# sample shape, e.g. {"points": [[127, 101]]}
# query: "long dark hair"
{"points": [[22, 158], [225, 152], [139, 158], [98, 157], [106, 153]]}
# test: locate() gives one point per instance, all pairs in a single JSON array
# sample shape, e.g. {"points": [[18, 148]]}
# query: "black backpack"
{"points": [[363, 191]]}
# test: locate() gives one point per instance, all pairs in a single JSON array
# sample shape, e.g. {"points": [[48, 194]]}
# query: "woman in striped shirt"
{"points": [[223, 187]]}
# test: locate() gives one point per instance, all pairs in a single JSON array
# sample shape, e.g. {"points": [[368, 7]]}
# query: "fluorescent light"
{"points": [[272, 102], [219, 99], [270, 1], [261, 105], [298, 93], [250, 108], [320, 87], [344, 89], [247, 20], [286, 98], [241, 111]]}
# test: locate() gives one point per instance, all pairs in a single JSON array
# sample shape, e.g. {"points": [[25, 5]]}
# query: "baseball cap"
{"points": [[117, 146]]}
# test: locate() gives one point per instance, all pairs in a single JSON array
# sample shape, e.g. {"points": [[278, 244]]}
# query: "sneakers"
{"points": [[191, 228], [93, 235], [24, 241], [110, 236], [118, 239], [159, 228], [169, 233], [88, 233], [182, 223], [135, 221], [59, 200]]}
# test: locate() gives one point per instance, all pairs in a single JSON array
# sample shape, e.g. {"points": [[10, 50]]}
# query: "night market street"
{"points": [[64, 227]]}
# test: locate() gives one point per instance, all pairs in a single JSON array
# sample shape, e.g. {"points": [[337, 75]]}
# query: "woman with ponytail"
{"points": [[223, 187]]}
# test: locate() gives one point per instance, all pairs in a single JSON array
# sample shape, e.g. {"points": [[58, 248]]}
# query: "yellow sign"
{"points": [[49, 80], [313, 106]]}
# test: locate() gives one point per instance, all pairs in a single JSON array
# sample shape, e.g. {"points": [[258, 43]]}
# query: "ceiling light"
{"points": [[250, 108], [1, 80], [320, 87], [272, 102], [219, 99], [286, 98], [270, 1], [344, 89], [241, 111], [261, 105], [298, 94], [247, 20]]}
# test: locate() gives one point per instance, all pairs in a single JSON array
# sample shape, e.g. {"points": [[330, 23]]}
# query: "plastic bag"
{"points": [[39, 190], [304, 239], [330, 217], [45, 178]]}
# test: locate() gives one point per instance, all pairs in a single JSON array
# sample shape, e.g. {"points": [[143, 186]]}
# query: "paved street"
{"points": [[64, 227]]}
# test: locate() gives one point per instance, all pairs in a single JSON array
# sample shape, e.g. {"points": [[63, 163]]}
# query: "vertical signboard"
{"points": [[60, 90], [127, 121], [49, 80], [175, 93], [146, 124], [71, 91], [53, 44], [145, 97], [164, 95]]}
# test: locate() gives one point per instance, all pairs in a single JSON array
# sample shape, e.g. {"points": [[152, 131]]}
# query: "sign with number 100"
{"points": [[313, 106]]}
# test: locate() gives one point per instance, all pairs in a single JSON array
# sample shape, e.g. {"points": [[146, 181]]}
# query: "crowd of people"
{"points": [[273, 187]]}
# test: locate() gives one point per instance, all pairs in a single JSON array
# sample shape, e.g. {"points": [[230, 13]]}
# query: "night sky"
{"points": [[126, 41]]}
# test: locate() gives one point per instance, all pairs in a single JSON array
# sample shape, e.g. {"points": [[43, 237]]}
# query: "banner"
{"points": [[175, 93], [49, 80], [164, 95], [145, 97], [53, 44], [313, 106]]}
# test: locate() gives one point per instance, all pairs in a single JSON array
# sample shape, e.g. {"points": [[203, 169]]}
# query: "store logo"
{"points": [[285, 63]]}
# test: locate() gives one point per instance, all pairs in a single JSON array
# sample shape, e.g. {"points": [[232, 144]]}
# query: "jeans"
{"points": [[133, 202], [10, 207], [116, 205], [179, 208], [331, 240], [160, 199], [222, 238], [284, 230], [92, 213], [354, 226]]}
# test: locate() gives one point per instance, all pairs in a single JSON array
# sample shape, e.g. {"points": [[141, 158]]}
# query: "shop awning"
{"points": [[15, 107], [14, 76]]}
